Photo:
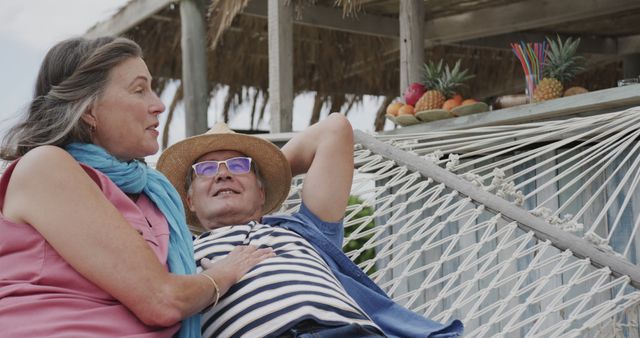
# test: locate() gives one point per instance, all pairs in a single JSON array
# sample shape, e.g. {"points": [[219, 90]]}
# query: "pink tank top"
{"points": [[43, 296]]}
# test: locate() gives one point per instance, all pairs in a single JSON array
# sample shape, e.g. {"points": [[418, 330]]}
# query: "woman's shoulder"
{"points": [[48, 162], [42, 162], [52, 155], [33, 174]]}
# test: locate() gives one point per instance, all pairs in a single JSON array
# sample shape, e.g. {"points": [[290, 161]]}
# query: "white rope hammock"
{"points": [[524, 230], [580, 174]]}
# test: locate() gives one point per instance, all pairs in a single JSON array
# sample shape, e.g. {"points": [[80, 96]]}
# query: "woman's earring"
{"points": [[93, 128]]}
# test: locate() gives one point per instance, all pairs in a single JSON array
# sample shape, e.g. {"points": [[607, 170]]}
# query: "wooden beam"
{"points": [[131, 15], [594, 102], [331, 18], [629, 45], [280, 23], [411, 42], [194, 66], [519, 16], [562, 240]]}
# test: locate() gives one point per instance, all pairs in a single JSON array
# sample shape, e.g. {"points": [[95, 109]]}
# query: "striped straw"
{"points": [[531, 57]]}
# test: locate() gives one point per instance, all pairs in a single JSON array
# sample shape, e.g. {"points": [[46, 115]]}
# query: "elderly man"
{"points": [[229, 182]]}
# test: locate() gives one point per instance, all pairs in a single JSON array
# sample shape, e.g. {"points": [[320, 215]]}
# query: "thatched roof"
{"points": [[342, 66]]}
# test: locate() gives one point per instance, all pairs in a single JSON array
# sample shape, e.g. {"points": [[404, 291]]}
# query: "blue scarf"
{"points": [[135, 177]]}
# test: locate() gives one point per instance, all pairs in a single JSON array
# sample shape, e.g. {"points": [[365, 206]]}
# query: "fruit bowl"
{"points": [[474, 108], [433, 115], [437, 114], [391, 118], [406, 120]]}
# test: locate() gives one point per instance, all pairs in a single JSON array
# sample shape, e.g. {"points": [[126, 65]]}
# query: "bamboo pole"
{"points": [[280, 26], [411, 41], [194, 66]]}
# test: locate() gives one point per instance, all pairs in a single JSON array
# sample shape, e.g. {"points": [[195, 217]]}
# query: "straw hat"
{"points": [[175, 163]]}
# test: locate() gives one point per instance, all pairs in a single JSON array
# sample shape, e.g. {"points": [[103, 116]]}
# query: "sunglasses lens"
{"points": [[206, 168], [239, 165], [236, 165]]}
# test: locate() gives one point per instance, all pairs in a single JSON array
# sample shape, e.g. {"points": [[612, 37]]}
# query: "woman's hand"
{"points": [[228, 270]]}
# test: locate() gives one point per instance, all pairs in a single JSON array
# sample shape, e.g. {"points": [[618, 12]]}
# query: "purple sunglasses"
{"points": [[235, 165]]}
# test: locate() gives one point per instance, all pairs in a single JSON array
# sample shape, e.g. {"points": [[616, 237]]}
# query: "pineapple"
{"points": [[548, 88], [431, 99], [561, 66], [441, 83], [432, 72]]}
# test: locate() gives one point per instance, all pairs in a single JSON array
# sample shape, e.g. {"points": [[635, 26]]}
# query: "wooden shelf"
{"points": [[596, 102]]}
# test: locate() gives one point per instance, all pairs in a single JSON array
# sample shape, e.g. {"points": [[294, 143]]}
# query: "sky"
{"points": [[28, 28]]}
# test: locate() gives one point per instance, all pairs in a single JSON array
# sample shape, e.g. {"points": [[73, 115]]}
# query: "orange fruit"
{"points": [[407, 109], [469, 101], [458, 98], [450, 104], [393, 108]]}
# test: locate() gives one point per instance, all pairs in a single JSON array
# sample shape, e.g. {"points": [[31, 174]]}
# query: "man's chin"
{"points": [[228, 217]]}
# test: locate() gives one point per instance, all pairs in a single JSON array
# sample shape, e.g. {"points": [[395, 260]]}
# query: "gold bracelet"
{"points": [[215, 287]]}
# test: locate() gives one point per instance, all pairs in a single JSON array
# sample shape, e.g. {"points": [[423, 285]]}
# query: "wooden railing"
{"points": [[591, 103]]}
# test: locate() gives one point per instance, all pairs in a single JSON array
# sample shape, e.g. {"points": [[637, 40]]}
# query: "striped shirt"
{"points": [[280, 291]]}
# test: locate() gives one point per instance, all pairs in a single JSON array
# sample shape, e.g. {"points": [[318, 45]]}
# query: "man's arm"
{"points": [[324, 152]]}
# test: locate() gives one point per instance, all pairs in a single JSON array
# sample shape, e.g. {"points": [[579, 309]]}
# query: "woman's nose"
{"points": [[157, 106]]}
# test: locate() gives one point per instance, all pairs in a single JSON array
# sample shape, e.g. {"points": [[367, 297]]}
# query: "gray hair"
{"points": [[72, 77]]}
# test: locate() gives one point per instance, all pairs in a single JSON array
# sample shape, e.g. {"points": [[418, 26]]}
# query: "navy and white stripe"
{"points": [[279, 292]]}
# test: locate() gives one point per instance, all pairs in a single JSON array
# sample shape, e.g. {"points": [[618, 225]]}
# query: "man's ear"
{"points": [[189, 202], [263, 194]]}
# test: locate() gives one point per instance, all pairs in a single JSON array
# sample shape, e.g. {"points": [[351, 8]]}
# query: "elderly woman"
{"points": [[94, 243]]}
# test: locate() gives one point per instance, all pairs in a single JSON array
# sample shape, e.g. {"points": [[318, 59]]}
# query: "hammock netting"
{"points": [[523, 230]]}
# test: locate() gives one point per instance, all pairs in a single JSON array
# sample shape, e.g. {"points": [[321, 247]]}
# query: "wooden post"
{"points": [[194, 66], [411, 41], [631, 65], [280, 23]]}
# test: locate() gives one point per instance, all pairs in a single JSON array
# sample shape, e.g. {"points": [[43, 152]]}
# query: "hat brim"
{"points": [[175, 163]]}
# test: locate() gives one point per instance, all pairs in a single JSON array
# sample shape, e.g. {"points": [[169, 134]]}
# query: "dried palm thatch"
{"points": [[339, 67], [221, 14], [349, 7]]}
